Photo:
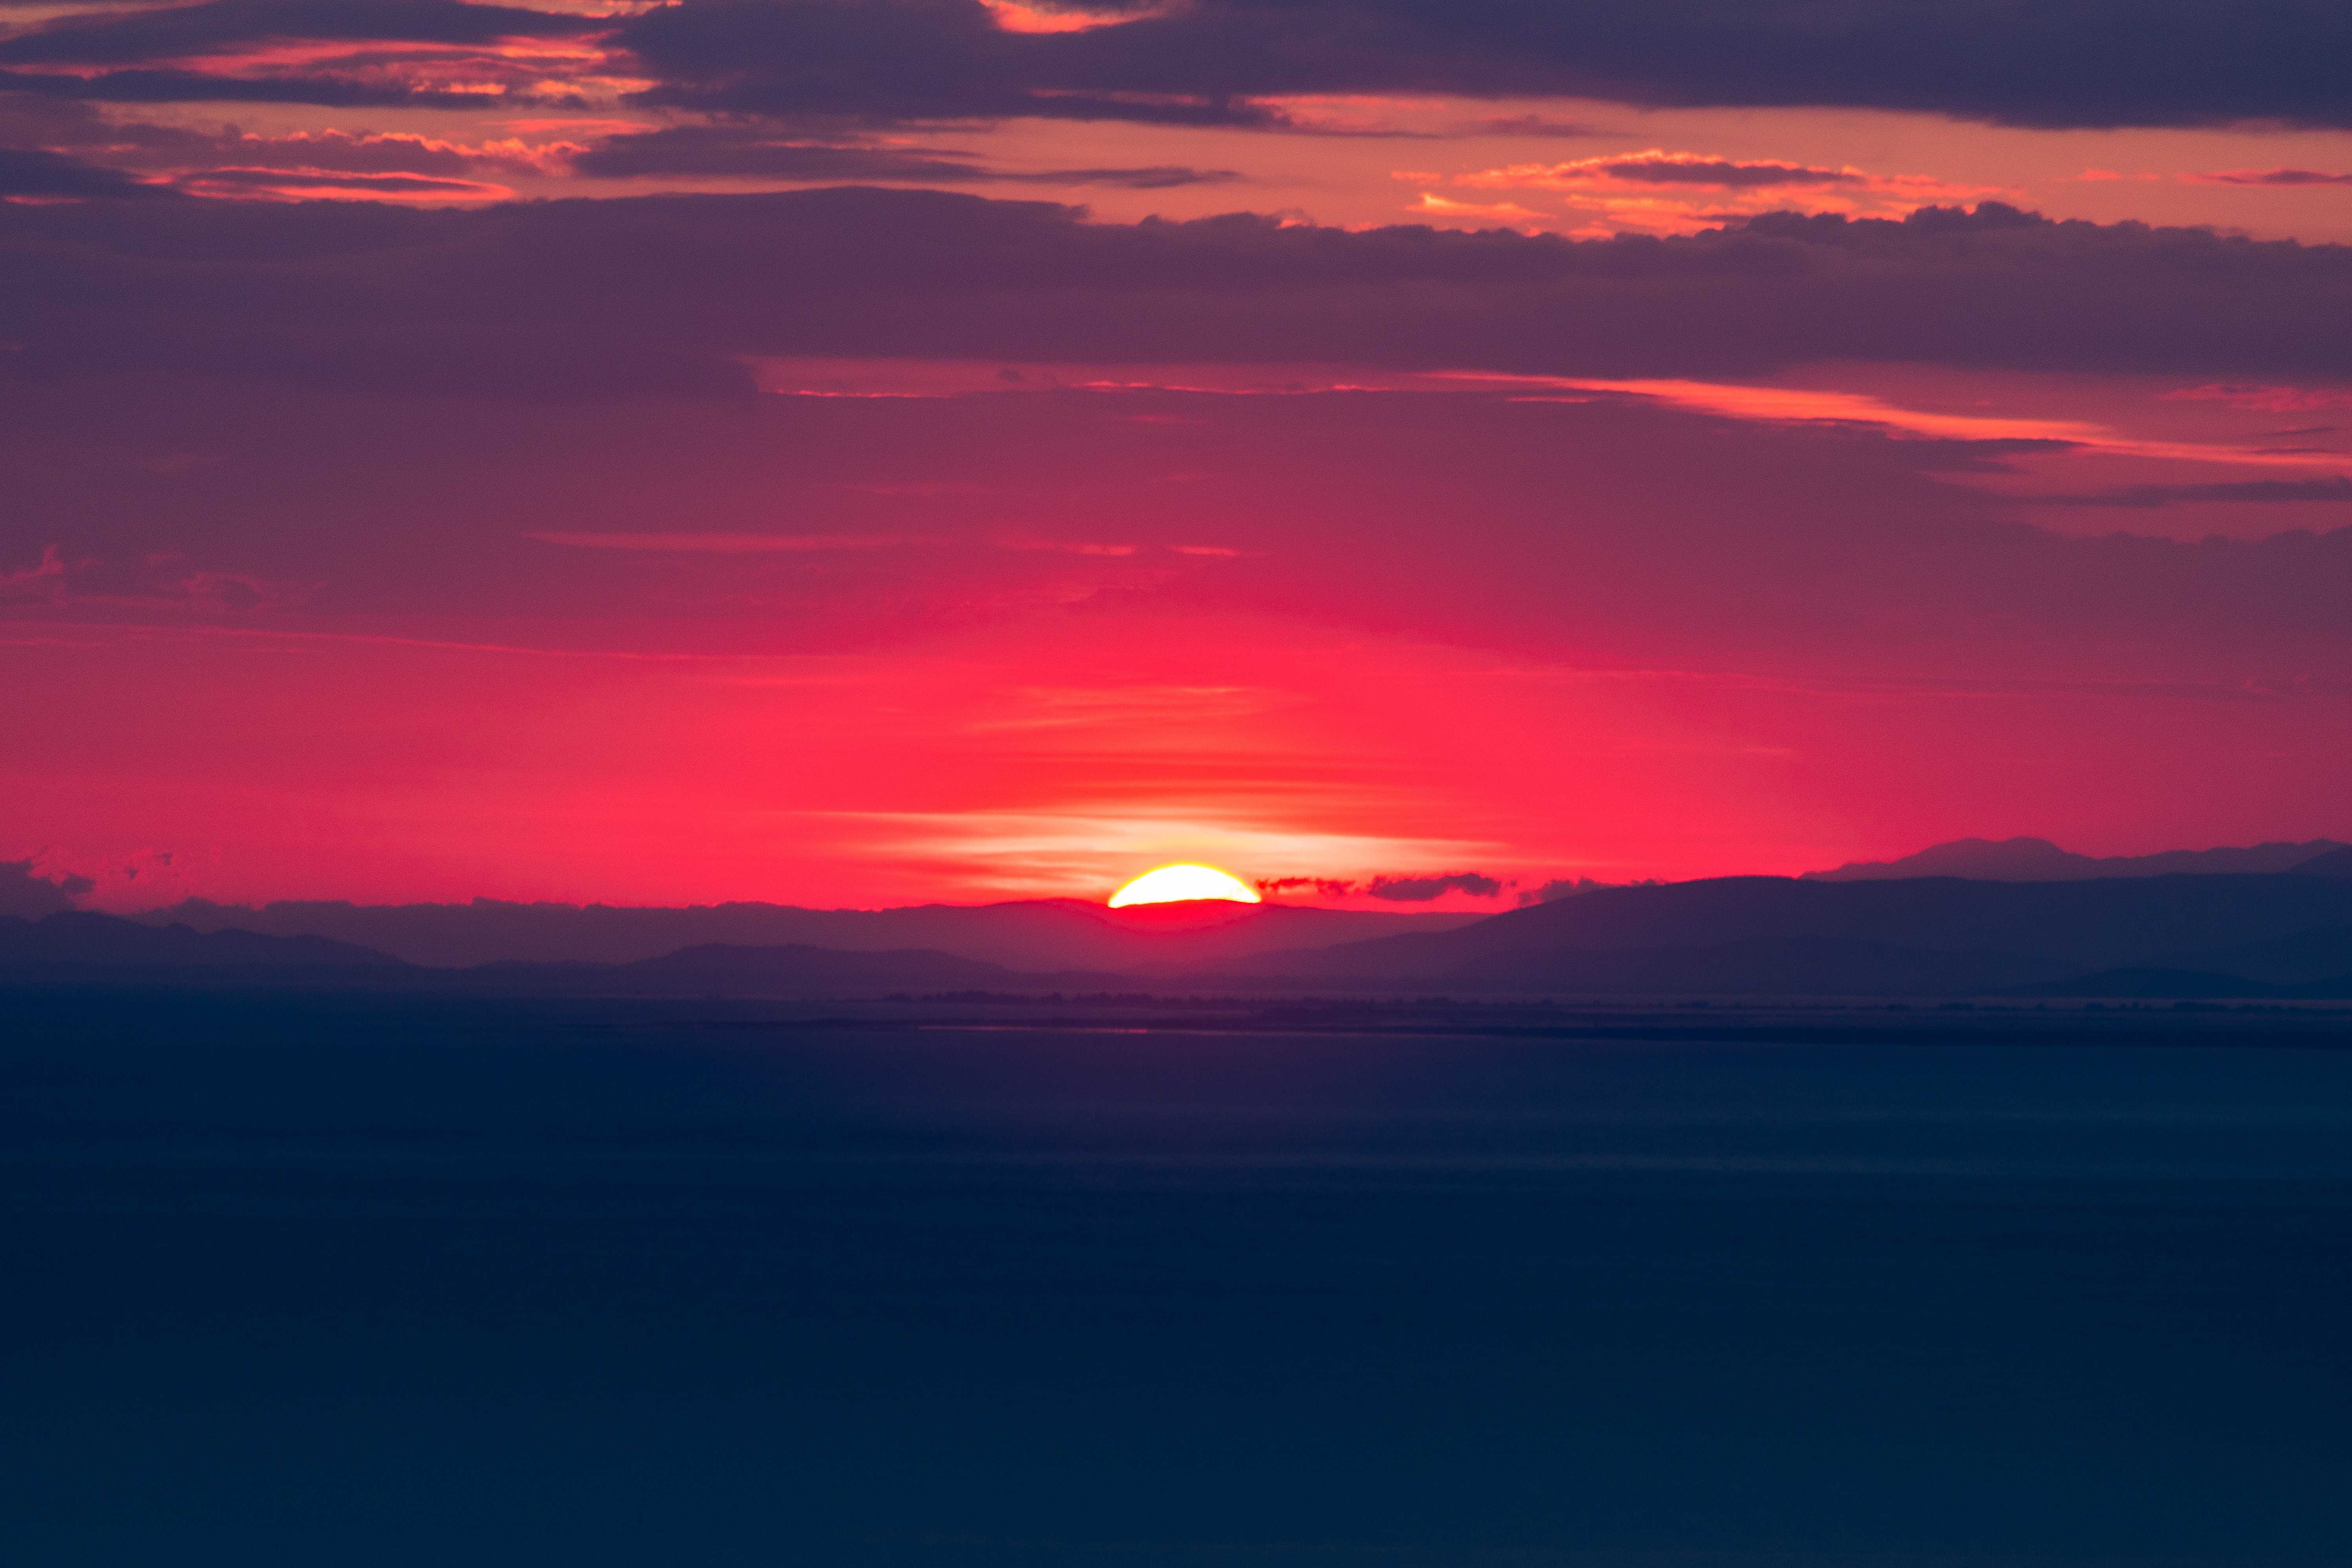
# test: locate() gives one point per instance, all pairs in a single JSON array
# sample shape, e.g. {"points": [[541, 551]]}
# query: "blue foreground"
{"points": [[353, 1281]]}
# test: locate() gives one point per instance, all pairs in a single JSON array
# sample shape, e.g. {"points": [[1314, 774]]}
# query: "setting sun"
{"points": [[1176, 884]]}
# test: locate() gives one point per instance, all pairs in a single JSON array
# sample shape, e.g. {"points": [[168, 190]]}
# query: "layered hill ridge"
{"points": [[718, 969], [1032, 934], [1920, 935], [2284, 932], [78, 940]]}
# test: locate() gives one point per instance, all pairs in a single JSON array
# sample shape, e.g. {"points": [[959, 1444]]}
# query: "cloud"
{"points": [[2100, 63], [45, 579], [1420, 890], [180, 32], [1148, 177], [2267, 399], [1220, 62], [577, 299], [882, 61], [33, 172], [233, 162], [1618, 594], [719, 543], [1321, 887], [27, 895], [1659, 167], [314, 151], [740, 152], [2268, 177], [1655, 191], [1014, 17], [2256, 492], [326, 184], [345, 53], [747, 153], [1538, 126], [1810, 404], [199, 87], [1559, 888]]}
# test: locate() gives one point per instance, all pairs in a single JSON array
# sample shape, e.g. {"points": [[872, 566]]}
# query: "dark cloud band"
{"points": [[673, 292], [2092, 63], [2097, 63]]}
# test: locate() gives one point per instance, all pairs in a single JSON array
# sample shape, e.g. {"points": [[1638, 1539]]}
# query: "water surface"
{"points": [[400, 1281]]}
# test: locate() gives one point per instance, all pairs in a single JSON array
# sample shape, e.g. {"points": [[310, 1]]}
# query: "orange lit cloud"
{"points": [[1508, 213], [1805, 405], [497, 69], [1645, 191], [1656, 166], [1014, 17], [400, 152], [326, 184]]}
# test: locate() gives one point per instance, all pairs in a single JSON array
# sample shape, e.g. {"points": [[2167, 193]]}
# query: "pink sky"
{"points": [[875, 551]]}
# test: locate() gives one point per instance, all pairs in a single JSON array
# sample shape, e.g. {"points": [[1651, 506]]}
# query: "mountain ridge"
{"points": [[2024, 859], [83, 939], [1046, 933], [2057, 928]]}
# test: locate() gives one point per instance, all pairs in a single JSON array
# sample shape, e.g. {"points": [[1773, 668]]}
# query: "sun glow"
{"points": [[1176, 884]]}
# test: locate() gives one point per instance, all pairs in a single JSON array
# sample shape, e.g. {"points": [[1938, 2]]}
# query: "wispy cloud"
{"points": [[1082, 851], [334, 185], [1658, 191], [2267, 177], [1806, 405], [2266, 399], [723, 543]]}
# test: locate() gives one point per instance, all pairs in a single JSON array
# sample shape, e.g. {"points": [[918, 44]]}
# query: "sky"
{"points": [[865, 452]]}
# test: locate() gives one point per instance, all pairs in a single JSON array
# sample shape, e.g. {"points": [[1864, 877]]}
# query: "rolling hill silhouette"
{"points": [[1034, 935], [2208, 934], [74, 942], [1791, 936], [716, 969]]}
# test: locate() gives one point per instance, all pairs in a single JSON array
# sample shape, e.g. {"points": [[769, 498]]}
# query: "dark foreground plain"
{"points": [[396, 1281]]}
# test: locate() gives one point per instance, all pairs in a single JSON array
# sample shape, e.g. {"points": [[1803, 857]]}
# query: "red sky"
{"points": [[377, 527]]}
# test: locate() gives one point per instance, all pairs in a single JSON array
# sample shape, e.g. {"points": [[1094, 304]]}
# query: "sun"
{"points": [[1175, 884]]}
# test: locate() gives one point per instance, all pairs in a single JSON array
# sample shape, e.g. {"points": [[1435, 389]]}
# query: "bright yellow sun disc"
{"points": [[1173, 884]]}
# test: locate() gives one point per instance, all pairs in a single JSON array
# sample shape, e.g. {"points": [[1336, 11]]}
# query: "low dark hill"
{"points": [[2320, 953], [720, 970], [1765, 966], [78, 943], [2191, 985], [1036, 934], [2334, 863], [1974, 931], [2181, 985]]}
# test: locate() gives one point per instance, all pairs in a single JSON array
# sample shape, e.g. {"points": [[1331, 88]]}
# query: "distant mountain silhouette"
{"points": [[1924, 935], [2188, 936], [78, 940], [1039, 934], [2039, 861]]}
